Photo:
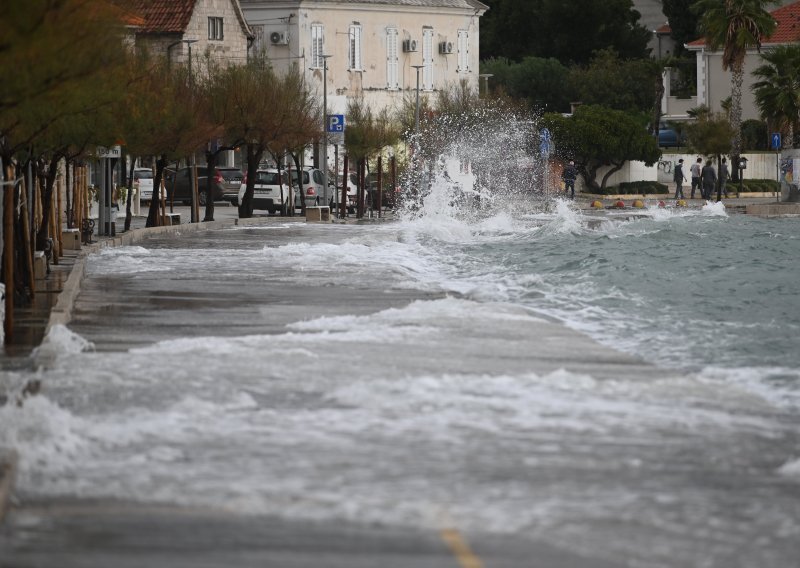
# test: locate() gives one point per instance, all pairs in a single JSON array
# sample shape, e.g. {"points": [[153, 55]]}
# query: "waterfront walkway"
{"points": [[101, 533]]}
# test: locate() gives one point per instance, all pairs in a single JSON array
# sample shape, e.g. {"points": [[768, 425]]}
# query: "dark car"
{"points": [[230, 179], [668, 137], [179, 185]]}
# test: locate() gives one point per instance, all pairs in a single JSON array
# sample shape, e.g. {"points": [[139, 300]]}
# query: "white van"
{"points": [[143, 182]]}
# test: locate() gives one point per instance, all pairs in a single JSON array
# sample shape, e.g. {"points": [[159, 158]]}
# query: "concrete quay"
{"points": [[92, 533]]}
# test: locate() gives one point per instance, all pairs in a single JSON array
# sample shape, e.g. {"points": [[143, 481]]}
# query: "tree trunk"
{"points": [[609, 173], [128, 214], [659, 95], [254, 155], [152, 212], [43, 234], [296, 160], [211, 170], [8, 250], [589, 176], [737, 77]]}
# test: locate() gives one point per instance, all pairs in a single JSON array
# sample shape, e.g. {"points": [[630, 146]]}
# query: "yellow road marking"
{"points": [[461, 550]]}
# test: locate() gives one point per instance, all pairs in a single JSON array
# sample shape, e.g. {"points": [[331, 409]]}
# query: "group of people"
{"points": [[704, 178]]}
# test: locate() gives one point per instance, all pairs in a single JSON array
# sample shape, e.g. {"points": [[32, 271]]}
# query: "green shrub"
{"points": [[636, 188], [757, 185]]}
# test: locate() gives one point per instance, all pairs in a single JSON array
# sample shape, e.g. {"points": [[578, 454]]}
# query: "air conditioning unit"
{"points": [[446, 47], [279, 38], [409, 45]]}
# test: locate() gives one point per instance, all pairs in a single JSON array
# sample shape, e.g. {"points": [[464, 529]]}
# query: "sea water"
{"points": [[416, 414]]}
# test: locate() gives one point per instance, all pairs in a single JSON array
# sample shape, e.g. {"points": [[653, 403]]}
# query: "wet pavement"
{"points": [[94, 533]]}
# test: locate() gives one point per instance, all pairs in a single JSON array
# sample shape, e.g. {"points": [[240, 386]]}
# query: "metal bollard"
{"points": [[86, 231]]}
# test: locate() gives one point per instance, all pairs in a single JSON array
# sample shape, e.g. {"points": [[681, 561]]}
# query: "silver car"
{"points": [[267, 192]]}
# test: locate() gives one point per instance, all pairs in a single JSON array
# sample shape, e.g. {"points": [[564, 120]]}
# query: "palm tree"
{"points": [[735, 26], [778, 90]]}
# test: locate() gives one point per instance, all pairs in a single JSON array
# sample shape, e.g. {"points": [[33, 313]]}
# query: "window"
{"points": [[427, 59], [317, 43], [463, 51], [354, 51], [392, 75], [215, 28]]}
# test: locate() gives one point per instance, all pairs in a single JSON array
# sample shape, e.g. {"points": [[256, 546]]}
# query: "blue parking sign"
{"points": [[335, 123], [776, 140]]}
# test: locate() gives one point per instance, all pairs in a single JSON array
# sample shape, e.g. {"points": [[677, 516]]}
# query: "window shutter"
{"points": [[427, 59], [463, 51], [392, 75]]}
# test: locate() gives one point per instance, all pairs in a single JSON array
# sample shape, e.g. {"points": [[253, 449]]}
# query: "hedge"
{"points": [[636, 188], [756, 185]]}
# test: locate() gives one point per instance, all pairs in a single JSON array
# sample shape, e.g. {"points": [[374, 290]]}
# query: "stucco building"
{"points": [[214, 29], [714, 84], [371, 46]]}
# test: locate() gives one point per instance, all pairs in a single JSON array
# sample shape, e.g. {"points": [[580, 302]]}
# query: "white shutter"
{"points": [[317, 45], [463, 51], [392, 65], [427, 59], [355, 47]]}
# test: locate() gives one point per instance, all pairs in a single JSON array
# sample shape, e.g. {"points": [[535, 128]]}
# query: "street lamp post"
{"points": [[325, 125], [195, 213], [415, 144], [416, 108], [195, 216]]}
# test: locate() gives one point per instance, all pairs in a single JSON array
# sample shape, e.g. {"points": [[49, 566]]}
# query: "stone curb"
{"points": [[8, 472]]}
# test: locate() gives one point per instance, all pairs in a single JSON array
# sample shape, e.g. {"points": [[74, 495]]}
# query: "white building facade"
{"points": [[371, 46]]}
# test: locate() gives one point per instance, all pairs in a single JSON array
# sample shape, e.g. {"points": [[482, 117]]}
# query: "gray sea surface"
{"points": [[435, 371]]}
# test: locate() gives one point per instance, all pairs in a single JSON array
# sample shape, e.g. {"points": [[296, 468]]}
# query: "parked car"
{"points": [[352, 191], [178, 185], [668, 137], [267, 192], [143, 183], [313, 187], [231, 180]]}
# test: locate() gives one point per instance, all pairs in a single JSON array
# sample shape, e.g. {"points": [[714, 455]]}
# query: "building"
{"points": [[714, 84], [374, 49], [205, 28]]}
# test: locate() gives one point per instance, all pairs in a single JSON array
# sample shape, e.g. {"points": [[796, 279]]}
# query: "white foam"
{"points": [[123, 251], [61, 340], [790, 469], [714, 209]]}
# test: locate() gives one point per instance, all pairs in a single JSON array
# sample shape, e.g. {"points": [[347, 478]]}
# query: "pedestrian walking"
{"points": [[709, 177], [724, 175], [569, 175], [695, 171], [679, 178]]}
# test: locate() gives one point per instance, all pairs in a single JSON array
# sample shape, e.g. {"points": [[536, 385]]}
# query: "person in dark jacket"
{"points": [[724, 176], [709, 178], [569, 175], [679, 178]]}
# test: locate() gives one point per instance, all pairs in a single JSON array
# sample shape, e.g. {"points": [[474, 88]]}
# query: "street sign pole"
{"points": [[776, 145], [334, 128]]}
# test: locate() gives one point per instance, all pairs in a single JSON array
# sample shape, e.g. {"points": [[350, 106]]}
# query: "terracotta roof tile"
{"points": [[473, 4], [664, 29], [164, 16], [787, 30]]}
